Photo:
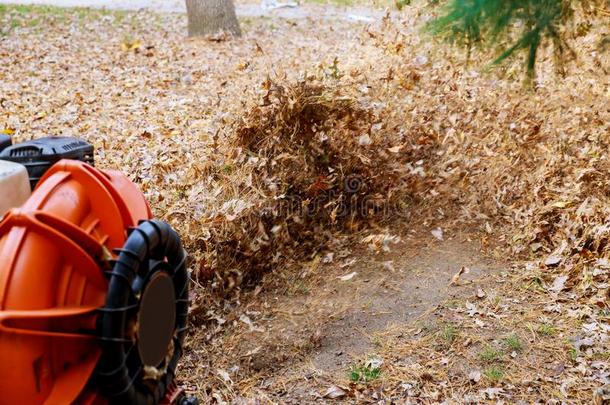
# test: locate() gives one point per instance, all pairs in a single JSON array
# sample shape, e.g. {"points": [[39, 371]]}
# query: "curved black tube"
{"points": [[119, 370]]}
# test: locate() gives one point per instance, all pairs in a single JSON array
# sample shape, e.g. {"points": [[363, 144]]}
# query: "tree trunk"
{"points": [[207, 17]]}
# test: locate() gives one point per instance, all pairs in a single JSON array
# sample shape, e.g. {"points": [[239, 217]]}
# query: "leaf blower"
{"points": [[93, 290]]}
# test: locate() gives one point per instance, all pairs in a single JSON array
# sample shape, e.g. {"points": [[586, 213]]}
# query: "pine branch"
{"points": [[516, 25]]}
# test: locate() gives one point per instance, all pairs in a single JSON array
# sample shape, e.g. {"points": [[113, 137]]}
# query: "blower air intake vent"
{"points": [[40, 154], [25, 152]]}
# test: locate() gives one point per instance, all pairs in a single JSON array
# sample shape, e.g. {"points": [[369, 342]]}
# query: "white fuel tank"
{"points": [[14, 185]]}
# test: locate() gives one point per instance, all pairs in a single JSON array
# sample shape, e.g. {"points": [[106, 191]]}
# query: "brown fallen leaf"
{"points": [[316, 338], [455, 280], [334, 392]]}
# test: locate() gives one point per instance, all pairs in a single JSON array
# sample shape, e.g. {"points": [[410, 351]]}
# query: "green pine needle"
{"points": [[515, 25]]}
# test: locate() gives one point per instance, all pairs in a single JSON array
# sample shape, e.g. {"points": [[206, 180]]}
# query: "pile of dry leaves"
{"points": [[314, 162], [527, 165]]}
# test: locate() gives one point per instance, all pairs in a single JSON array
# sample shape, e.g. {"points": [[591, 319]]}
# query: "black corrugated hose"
{"points": [[120, 370]]}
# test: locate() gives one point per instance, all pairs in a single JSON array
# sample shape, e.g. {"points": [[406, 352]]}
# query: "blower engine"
{"points": [[93, 290]]}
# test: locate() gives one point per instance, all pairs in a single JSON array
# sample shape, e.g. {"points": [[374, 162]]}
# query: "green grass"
{"points": [[491, 354], [449, 333], [573, 352], [81, 12], [601, 356], [299, 288], [377, 341], [13, 16], [426, 327], [513, 343], [400, 4], [494, 373], [547, 329], [453, 303], [227, 168], [534, 284], [363, 374]]}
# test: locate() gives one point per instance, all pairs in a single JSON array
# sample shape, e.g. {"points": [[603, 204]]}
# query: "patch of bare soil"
{"points": [[292, 343], [397, 287]]}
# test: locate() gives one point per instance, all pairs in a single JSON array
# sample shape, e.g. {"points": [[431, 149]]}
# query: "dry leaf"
{"points": [[455, 280], [558, 284], [334, 392], [347, 277], [437, 233]]}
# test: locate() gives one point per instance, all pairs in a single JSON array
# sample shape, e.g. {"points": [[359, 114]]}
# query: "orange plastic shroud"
{"points": [[53, 252]]}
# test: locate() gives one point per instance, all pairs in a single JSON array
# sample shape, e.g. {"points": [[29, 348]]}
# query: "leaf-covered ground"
{"points": [[494, 169]]}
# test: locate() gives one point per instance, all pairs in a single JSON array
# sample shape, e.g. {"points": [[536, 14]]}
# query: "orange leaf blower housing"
{"points": [[93, 294]]}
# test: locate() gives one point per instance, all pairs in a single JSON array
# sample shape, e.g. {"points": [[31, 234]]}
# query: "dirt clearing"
{"points": [[394, 288], [293, 343]]}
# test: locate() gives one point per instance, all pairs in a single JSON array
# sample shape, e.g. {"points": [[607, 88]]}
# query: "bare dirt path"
{"points": [[291, 344], [397, 287]]}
